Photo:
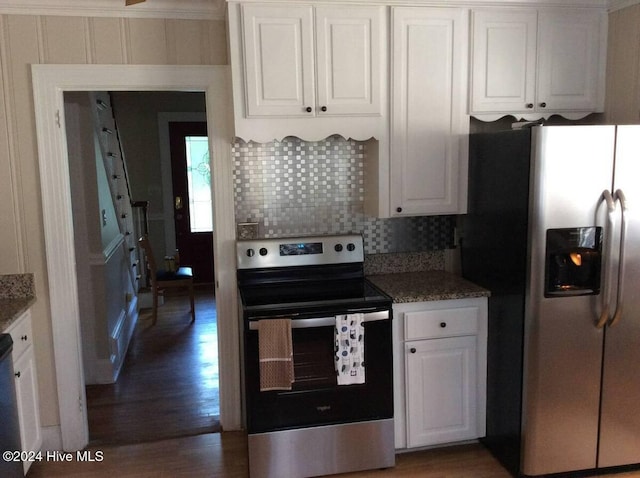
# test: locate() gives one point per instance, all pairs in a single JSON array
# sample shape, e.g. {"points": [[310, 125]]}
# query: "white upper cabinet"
{"points": [[278, 48], [348, 60], [503, 60], [571, 59], [533, 63], [309, 71], [429, 124]]}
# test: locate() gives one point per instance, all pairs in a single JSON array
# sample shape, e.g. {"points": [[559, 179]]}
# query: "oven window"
{"points": [[313, 358]]}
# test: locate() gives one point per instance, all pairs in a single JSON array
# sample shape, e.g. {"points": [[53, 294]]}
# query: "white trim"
{"points": [[450, 3], [112, 247], [49, 84], [51, 438], [183, 9], [620, 4], [165, 169], [573, 115], [116, 334]]}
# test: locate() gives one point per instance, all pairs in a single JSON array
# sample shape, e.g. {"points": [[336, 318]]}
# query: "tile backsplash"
{"points": [[294, 187]]}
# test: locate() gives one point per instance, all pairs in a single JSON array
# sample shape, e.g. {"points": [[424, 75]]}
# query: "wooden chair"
{"points": [[162, 279]]}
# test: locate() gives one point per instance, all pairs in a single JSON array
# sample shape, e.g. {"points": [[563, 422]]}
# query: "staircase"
{"points": [[132, 215], [115, 274]]}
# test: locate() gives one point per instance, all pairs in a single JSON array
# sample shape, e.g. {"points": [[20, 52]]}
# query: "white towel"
{"points": [[349, 349]]}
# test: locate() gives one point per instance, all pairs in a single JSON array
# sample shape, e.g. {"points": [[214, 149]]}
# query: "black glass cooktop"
{"points": [[292, 297]]}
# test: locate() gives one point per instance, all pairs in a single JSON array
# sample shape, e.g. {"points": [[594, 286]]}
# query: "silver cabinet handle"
{"points": [[619, 196], [326, 321], [611, 207]]}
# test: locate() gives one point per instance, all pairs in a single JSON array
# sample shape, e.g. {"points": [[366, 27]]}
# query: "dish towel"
{"points": [[349, 349], [275, 351]]}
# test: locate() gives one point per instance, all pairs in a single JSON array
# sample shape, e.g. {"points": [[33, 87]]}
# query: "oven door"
{"points": [[316, 398]]}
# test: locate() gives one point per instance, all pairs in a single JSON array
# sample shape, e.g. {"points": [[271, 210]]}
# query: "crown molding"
{"points": [[620, 4], [599, 4], [216, 9], [178, 9]]}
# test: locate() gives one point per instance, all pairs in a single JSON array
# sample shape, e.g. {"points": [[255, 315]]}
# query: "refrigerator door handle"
{"points": [[619, 196], [611, 207]]}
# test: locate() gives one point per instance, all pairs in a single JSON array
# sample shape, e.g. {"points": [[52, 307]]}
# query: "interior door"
{"points": [[192, 202]]}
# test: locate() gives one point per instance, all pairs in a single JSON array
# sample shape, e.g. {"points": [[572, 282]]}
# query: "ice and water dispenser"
{"points": [[573, 261]]}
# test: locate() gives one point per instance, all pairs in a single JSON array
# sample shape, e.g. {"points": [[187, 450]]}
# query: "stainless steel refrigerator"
{"points": [[553, 230]]}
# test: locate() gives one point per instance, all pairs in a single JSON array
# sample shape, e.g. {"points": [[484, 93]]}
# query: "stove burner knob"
{"points": [[263, 251], [338, 247], [351, 247], [250, 252]]}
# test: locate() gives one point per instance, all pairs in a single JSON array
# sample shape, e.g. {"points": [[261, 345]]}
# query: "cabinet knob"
{"points": [[398, 209], [17, 374], [24, 338], [308, 109], [324, 108], [412, 350], [529, 105], [543, 105], [443, 324]]}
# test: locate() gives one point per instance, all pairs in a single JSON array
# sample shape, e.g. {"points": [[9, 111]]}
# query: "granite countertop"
{"points": [[426, 286], [16, 296]]}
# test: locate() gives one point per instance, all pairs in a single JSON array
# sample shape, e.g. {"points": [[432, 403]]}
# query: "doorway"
{"points": [[49, 83], [191, 180], [138, 406]]}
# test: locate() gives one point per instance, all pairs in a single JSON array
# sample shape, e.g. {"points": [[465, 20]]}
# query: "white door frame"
{"points": [[49, 84]]}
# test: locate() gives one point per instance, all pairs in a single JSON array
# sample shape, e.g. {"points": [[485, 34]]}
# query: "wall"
{"points": [[293, 187], [623, 67], [32, 39]]}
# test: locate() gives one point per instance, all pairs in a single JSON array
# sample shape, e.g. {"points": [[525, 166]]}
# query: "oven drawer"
{"points": [[427, 324]]}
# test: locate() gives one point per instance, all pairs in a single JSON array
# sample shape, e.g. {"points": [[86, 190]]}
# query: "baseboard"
{"points": [[51, 438], [126, 332]]}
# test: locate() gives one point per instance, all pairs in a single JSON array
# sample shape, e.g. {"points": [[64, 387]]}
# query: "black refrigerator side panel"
{"points": [[494, 251]]}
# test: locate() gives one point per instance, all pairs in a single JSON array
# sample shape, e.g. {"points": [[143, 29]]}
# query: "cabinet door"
{"points": [[503, 61], [28, 409], [570, 65], [278, 60], [441, 390], [428, 102], [348, 53]]}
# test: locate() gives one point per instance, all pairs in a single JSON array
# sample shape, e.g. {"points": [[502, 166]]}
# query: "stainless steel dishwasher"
{"points": [[10, 464]]}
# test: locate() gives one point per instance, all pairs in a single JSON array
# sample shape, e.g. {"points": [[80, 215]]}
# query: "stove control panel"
{"points": [[299, 251]]}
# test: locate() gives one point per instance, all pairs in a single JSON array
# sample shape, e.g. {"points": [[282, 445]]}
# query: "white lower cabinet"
{"points": [[24, 369], [440, 371]]}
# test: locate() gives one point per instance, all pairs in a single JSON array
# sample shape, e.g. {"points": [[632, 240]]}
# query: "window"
{"points": [[199, 184]]}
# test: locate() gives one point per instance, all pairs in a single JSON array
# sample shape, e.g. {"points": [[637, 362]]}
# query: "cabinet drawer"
{"points": [[21, 334], [425, 324]]}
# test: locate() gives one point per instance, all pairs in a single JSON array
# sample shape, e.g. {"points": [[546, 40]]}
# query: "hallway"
{"points": [[168, 387]]}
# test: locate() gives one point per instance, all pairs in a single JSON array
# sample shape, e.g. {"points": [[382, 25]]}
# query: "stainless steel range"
{"points": [[318, 426]]}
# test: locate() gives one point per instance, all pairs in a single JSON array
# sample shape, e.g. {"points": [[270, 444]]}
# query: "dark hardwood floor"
{"points": [[168, 386]]}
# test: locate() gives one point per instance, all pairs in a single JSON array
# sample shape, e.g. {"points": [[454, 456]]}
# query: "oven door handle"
{"points": [[327, 321]]}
